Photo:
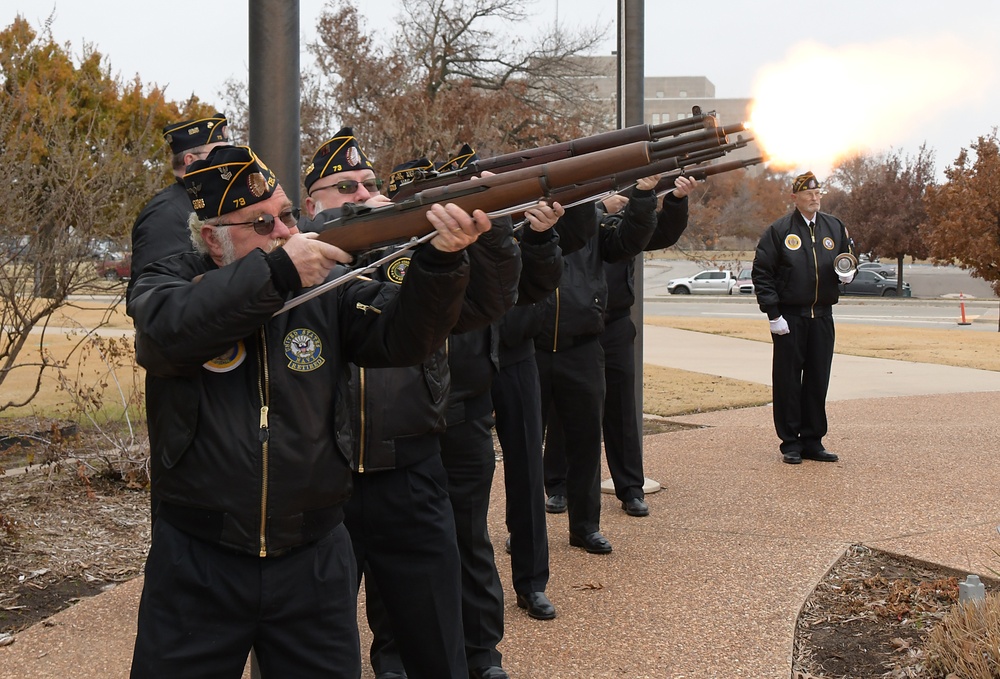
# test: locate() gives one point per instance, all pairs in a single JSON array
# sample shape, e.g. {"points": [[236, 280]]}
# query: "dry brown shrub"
{"points": [[966, 642]]}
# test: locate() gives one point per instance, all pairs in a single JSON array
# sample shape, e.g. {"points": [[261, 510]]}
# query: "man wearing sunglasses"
{"points": [[249, 548], [341, 173], [161, 229]]}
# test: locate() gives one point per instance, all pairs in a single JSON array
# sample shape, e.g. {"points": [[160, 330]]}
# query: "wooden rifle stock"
{"points": [[368, 228], [673, 167], [701, 124]]}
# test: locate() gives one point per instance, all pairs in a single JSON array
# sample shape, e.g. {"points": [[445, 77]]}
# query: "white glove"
{"points": [[846, 278], [779, 326]]}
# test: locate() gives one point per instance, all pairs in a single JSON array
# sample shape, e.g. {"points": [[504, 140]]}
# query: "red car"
{"points": [[116, 266]]}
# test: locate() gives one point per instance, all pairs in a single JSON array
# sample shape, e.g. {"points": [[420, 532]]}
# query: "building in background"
{"points": [[669, 98]]}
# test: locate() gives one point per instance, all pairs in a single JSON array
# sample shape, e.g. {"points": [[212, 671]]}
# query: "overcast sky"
{"points": [[928, 68]]}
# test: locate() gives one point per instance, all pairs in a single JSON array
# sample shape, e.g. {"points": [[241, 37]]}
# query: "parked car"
{"points": [[116, 266], [703, 283], [879, 268], [868, 282], [744, 282]]}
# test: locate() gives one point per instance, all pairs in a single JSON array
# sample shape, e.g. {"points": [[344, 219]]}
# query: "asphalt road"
{"points": [[935, 304], [926, 281]]}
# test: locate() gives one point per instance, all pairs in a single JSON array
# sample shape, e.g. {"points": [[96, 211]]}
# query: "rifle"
{"points": [[673, 167], [698, 122], [365, 228], [666, 182]]}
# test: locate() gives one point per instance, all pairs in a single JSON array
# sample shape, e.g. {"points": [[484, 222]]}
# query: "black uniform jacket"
{"points": [[575, 311], [541, 271], [793, 270], [160, 230], [242, 405], [393, 410], [670, 224]]}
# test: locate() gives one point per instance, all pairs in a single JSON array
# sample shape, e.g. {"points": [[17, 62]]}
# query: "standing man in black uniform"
{"points": [[250, 549], [517, 407], [571, 360], [797, 285], [621, 423], [161, 229]]}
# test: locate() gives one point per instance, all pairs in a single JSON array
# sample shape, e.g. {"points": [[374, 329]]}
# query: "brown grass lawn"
{"points": [[667, 392]]}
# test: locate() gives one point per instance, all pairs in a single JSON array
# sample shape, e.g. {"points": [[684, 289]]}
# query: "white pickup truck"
{"points": [[704, 283]]}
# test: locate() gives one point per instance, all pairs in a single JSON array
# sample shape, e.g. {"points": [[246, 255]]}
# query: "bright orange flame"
{"points": [[822, 104]]}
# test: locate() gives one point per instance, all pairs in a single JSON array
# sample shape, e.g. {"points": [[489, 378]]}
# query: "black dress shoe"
{"points": [[594, 543], [820, 455], [537, 604], [793, 457], [636, 507], [555, 504], [491, 672]]}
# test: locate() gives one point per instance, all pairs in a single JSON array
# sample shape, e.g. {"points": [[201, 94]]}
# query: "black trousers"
{"points": [[467, 453], [403, 531], [800, 377], [203, 607], [518, 408], [622, 436], [572, 383]]}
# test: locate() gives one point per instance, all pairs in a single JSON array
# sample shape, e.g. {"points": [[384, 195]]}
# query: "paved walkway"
{"points": [[711, 583]]}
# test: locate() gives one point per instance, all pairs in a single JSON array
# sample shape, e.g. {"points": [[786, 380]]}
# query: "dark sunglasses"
{"points": [[265, 223], [349, 186]]}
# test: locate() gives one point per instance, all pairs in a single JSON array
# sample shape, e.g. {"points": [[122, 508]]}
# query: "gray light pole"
{"points": [[274, 104], [274, 89], [631, 94]]}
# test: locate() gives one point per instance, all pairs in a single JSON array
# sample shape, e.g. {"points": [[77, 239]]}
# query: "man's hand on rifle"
{"points": [[647, 183], [456, 228], [683, 186], [313, 259], [544, 217], [615, 203]]}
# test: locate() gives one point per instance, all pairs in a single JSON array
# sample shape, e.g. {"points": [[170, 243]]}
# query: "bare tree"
{"points": [[449, 77]]}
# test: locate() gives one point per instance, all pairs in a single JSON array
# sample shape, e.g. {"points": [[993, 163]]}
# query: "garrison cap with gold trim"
{"points": [[340, 153], [407, 172], [230, 178], [191, 133], [464, 156], [805, 182]]}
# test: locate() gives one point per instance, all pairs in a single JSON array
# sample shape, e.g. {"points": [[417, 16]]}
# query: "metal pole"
{"points": [[631, 95], [274, 89], [274, 104]]}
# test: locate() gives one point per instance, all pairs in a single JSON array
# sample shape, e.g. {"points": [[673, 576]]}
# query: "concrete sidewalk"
{"points": [[711, 583]]}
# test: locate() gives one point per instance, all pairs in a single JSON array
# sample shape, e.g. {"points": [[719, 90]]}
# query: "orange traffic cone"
{"points": [[961, 305]]}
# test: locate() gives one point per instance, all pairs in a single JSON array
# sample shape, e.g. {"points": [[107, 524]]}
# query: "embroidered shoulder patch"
{"points": [[304, 350], [397, 270], [227, 361], [793, 242]]}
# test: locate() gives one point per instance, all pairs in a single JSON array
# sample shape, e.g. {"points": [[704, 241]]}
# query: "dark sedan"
{"points": [[868, 282]]}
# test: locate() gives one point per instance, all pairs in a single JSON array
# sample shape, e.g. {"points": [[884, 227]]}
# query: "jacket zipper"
{"points": [[264, 389], [362, 415], [555, 331], [812, 235], [363, 308]]}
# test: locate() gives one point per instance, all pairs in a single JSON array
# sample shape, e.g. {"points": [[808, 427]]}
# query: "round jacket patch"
{"points": [[227, 361], [828, 243], [793, 242], [304, 350], [397, 269]]}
